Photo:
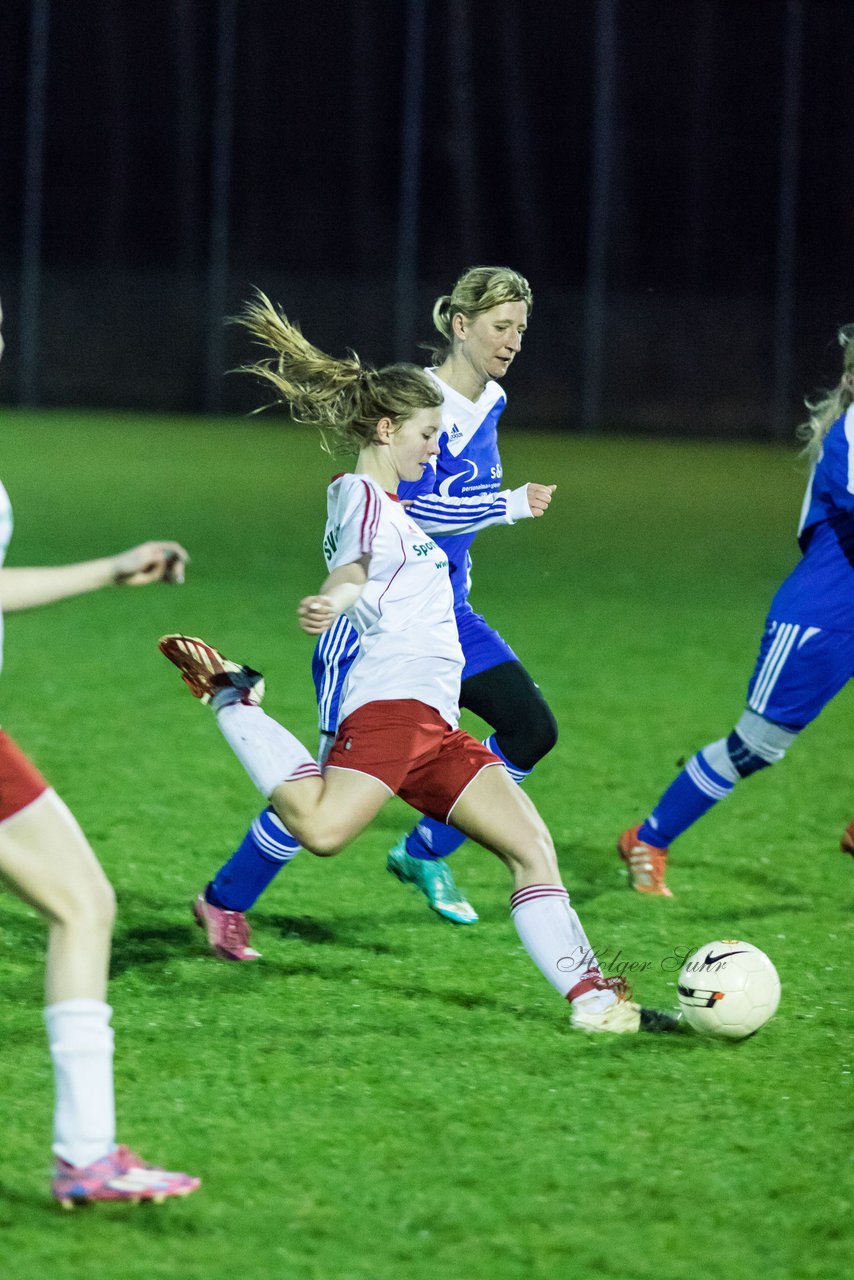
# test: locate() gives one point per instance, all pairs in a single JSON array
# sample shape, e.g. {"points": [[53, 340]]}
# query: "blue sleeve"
{"points": [[333, 657], [436, 514]]}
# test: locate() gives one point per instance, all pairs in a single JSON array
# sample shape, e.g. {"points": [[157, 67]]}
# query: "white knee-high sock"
{"points": [[81, 1046], [553, 937], [269, 753]]}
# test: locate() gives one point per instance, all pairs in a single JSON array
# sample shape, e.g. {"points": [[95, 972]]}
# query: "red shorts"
{"points": [[409, 747], [20, 781]]}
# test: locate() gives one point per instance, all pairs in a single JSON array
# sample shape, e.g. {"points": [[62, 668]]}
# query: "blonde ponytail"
{"points": [[825, 411], [343, 397]]}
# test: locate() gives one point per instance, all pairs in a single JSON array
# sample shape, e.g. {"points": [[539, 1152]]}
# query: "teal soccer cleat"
{"points": [[434, 880]]}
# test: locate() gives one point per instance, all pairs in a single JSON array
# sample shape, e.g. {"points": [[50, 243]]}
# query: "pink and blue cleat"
{"points": [[118, 1176]]}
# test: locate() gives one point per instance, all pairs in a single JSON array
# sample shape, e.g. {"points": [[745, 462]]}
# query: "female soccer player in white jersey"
{"points": [[806, 654], [481, 324], [398, 733], [46, 860]]}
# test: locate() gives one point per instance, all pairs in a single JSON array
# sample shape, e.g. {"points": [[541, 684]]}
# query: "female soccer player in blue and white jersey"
{"points": [[481, 324], [806, 654], [398, 733], [47, 861]]}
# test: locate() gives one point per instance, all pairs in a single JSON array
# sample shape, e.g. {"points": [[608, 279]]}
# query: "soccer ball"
{"points": [[728, 989]]}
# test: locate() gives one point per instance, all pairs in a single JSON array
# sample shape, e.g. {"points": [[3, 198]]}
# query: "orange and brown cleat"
{"points": [[646, 864], [205, 671], [846, 844]]}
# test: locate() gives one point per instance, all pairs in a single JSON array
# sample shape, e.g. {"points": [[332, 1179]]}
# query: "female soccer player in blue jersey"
{"points": [[482, 323], [807, 651]]}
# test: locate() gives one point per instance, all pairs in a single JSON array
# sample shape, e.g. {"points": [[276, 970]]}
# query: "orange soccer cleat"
{"points": [[846, 844], [205, 671], [646, 864]]}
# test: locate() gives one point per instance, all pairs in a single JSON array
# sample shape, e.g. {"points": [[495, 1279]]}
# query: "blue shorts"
{"points": [[332, 659], [336, 650], [483, 647], [798, 671]]}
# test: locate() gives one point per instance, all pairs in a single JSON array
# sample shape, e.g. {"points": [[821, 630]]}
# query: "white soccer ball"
{"points": [[728, 989]]}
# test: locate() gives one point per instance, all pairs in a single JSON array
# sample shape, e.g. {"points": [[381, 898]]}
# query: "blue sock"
{"points": [[691, 794], [517, 774], [431, 840], [266, 848]]}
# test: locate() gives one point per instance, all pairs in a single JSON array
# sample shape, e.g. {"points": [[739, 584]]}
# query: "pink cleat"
{"points": [[645, 862], [228, 931], [119, 1175]]}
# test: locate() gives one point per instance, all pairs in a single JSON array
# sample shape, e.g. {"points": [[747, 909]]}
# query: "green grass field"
{"points": [[385, 1097]]}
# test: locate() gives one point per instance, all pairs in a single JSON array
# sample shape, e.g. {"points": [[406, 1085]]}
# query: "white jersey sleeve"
{"points": [[353, 515], [438, 514]]}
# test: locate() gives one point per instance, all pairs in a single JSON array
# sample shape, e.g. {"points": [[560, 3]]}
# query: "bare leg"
{"points": [[498, 815], [326, 813], [48, 862], [321, 812], [46, 859]]}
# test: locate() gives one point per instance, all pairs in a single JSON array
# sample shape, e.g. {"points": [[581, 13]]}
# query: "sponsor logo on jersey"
{"points": [[330, 542], [458, 476]]}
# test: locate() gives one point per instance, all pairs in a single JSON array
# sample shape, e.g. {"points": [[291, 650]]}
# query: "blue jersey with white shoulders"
{"points": [[468, 472], [819, 591]]}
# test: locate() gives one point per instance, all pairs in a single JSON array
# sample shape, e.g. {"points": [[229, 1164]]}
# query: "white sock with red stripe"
{"points": [[81, 1046], [553, 937], [269, 753]]}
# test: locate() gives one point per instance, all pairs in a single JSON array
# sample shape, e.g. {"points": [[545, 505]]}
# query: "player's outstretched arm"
{"points": [[27, 588], [437, 514]]}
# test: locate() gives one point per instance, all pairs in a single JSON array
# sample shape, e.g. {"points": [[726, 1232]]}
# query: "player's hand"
{"points": [[539, 497], [150, 562], [316, 614]]}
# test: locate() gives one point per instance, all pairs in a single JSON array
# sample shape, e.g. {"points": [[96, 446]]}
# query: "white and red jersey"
{"points": [[408, 641], [5, 539]]}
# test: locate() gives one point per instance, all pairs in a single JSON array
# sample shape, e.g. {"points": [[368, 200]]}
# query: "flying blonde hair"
{"points": [[824, 412], [344, 398], [479, 289]]}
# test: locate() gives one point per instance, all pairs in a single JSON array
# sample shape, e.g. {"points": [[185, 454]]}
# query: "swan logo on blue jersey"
{"points": [[445, 486]]}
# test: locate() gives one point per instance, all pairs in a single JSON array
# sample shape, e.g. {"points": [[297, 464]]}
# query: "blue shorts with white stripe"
{"points": [[334, 655], [799, 669]]}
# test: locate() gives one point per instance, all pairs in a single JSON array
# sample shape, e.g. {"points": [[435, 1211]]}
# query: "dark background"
{"points": [[675, 177]]}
